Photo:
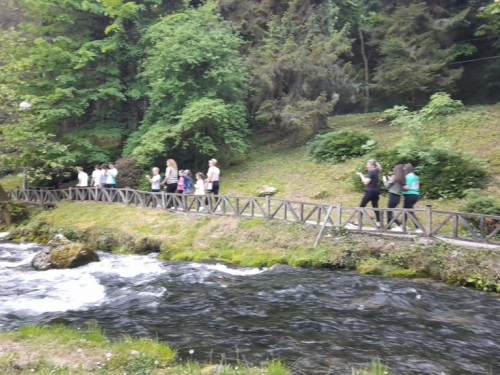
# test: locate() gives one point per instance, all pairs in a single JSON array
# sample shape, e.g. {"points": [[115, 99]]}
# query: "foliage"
{"points": [[197, 81], [17, 211], [491, 13], [129, 173], [442, 174], [415, 55], [299, 74], [478, 202], [340, 145]]}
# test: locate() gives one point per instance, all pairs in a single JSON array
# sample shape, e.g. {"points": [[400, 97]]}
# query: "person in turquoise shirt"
{"points": [[411, 192]]}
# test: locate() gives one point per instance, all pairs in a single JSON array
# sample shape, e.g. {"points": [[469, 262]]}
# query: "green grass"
{"points": [[64, 351]]}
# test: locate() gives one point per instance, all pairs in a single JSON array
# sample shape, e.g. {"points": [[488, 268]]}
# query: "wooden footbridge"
{"points": [[425, 221]]}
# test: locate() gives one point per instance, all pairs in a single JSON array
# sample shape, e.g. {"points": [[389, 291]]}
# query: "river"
{"points": [[318, 321]]}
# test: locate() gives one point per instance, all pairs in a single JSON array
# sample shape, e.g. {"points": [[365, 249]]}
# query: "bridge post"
{"points": [[268, 205], [428, 220], [70, 194], [338, 220]]}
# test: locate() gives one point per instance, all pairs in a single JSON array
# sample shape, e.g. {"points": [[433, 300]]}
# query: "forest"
{"points": [[149, 79]]}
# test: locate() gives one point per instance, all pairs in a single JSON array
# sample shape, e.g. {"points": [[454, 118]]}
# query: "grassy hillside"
{"points": [[476, 130]]}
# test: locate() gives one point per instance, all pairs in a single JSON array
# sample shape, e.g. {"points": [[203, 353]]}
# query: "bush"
{"points": [[442, 174], [129, 173], [340, 145], [479, 203], [13, 212]]}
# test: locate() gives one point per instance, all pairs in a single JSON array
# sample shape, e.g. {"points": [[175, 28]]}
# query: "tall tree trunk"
{"points": [[367, 72]]}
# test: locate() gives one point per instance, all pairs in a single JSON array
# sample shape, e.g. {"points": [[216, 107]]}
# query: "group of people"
{"points": [[403, 182], [175, 180], [181, 181], [103, 176]]}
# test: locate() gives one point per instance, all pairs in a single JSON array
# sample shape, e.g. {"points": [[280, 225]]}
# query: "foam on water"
{"points": [[231, 271], [4, 234]]}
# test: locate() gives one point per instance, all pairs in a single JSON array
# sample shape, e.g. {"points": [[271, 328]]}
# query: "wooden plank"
{"points": [[330, 209], [442, 224], [469, 228]]}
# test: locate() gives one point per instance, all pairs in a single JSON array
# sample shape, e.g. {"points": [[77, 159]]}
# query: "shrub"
{"points": [[129, 173], [340, 145], [479, 203], [13, 212], [442, 174]]}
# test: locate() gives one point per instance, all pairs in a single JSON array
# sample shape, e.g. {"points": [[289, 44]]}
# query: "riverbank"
{"points": [[258, 243], [61, 350]]}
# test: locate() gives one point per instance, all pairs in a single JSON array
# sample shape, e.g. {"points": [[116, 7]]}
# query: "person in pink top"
{"points": [[180, 183]]}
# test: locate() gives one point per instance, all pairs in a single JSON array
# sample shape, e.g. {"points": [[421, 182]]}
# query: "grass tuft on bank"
{"points": [[62, 350]]}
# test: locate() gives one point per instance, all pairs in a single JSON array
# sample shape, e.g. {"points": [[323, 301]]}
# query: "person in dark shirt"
{"points": [[372, 190]]}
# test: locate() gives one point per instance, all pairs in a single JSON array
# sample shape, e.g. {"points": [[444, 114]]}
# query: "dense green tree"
{"points": [[416, 49], [76, 63], [298, 71], [197, 85]]}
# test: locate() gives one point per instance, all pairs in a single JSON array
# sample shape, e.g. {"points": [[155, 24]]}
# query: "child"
{"points": [[188, 182], [180, 182], [200, 184], [155, 180]]}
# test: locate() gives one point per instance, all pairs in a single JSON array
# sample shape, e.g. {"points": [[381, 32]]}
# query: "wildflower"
{"points": [[156, 363], [191, 351], [236, 368], [108, 355], [32, 370]]}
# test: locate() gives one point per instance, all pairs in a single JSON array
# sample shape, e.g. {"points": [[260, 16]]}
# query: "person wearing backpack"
{"points": [[188, 182]]}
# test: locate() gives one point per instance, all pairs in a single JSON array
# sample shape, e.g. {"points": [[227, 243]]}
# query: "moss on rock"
{"points": [[62, 253]]}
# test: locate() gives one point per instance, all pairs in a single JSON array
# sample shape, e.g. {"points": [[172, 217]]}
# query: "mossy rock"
{"points": [[62, 253]]}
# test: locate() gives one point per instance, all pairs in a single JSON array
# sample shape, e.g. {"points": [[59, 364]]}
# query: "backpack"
{"points": [[188, 183]]}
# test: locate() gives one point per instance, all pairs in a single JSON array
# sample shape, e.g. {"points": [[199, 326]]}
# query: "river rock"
{"points": [[266, 190], [425, 241], [62, 253]]}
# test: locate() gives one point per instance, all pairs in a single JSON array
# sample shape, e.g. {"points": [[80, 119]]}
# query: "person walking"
{"points": [[200, 185], [171, 178], [96, 176], [200, 189], [188, 182], [83, 178], [103, 179], [411, 193], [372, 191], [155, 180], [112, 173], [213, 175], [395, 185], [180, 182]]}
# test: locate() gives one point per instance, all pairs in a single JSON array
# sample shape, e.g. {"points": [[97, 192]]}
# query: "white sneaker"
{"points": [[202, 208], [351, 226], [418, 231], [397, 229]]}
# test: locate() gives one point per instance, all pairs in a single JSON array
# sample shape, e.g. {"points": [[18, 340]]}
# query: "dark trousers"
{"points": [[214, 191], [409, 202], [371, 196], [155, 190], [394, 200], [171, 188]]}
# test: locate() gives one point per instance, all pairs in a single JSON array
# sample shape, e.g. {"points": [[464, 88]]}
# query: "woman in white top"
{"points": [[213, 176], [171, 176]]}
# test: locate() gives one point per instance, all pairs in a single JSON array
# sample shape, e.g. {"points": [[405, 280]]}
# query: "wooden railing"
{"points": [[418, 222]]}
